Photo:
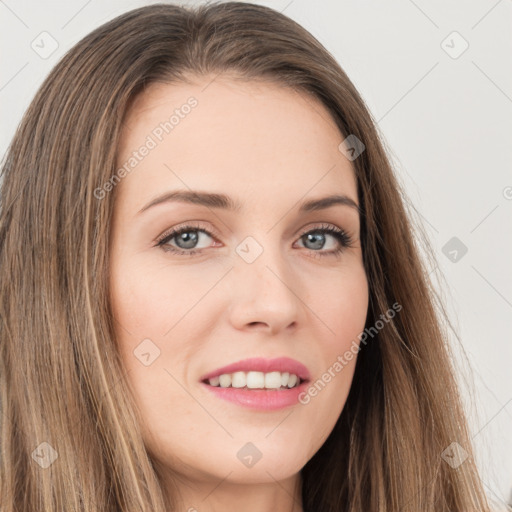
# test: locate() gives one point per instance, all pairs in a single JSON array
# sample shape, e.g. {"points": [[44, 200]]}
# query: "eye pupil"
{"points": [[189, 238], [317, 238]]}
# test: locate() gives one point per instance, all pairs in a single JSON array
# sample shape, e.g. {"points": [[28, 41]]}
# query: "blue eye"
{"points": [[187, 237], [318, 237]]}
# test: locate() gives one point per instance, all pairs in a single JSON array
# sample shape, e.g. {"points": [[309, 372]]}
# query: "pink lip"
{"points": [[262, 399], [260, 364]]}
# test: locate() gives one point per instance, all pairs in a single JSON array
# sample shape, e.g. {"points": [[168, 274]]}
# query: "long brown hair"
{"points": [[63, 387]]}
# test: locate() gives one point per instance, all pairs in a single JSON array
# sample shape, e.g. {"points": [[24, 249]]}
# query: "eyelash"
{"points": [[343, 238], [340, 235]]}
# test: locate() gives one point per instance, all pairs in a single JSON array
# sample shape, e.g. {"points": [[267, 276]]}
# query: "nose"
{"points": [[264, 294]]}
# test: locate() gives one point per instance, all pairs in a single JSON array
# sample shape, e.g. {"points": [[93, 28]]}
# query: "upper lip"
{"points": [[260, 364]]}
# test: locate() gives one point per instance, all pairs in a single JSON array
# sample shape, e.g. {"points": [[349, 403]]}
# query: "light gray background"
{"points": [[447, 119]]}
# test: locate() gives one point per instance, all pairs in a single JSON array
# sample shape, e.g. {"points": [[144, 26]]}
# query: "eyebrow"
{"points": [[222, 201]]}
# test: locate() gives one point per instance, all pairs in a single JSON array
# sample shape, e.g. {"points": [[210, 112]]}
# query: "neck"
{"points": [[227, 496]]}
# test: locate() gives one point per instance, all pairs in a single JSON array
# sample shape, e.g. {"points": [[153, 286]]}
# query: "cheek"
{"points": [[143, 312], [342, 308], [147, 301], [342, 304], [148, 298], [158, 310]]}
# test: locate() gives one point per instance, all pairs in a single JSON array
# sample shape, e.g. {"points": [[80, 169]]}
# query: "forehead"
{"points": [[248, 139]]}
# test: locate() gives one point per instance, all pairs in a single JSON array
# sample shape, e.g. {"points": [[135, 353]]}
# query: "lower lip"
{"points": [[261, 399]]}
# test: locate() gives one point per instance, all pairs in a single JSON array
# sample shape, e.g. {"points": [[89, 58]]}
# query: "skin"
{"points": [[270, 148]]}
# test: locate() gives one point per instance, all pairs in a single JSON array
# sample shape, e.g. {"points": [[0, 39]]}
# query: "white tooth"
{"points": [[225, 380], [273, 380], [292, 380], [214, 381], [238, 380], [255, 380]]}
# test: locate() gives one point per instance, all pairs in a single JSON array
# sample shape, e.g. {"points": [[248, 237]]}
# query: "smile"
{"points": [[258, 383]]}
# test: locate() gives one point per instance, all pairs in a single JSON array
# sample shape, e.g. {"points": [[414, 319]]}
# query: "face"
{"points": [[197, 286]]}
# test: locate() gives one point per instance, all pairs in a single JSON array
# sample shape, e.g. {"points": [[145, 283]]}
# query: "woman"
{"points": [[211, 294]]}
